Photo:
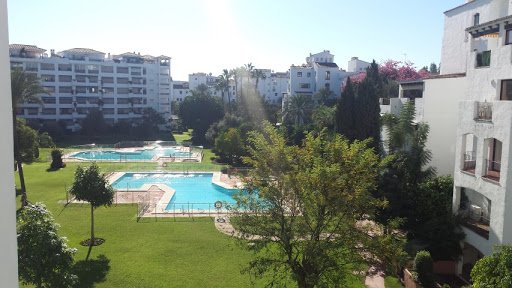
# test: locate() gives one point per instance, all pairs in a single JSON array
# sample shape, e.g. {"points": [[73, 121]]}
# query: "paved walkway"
{"points": [[374, 276]]}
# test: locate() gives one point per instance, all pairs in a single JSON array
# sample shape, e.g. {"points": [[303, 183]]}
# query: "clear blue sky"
{"points": [[210, 35]]}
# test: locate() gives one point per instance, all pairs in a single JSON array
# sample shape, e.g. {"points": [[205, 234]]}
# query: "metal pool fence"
{"points": [[173, 210]]}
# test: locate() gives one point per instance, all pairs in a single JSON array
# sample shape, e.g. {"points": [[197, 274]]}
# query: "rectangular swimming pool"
{"points": [[140, 154], [194, 188]]}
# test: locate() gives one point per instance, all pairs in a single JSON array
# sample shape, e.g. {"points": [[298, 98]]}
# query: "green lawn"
{"points": [[185, 136], [150, 253]]}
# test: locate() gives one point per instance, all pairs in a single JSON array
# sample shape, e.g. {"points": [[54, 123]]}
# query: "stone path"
{"points": [[374, 276]]}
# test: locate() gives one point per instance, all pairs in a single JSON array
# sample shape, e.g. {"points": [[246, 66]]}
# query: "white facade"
{"points": [[356, 65], [477, 41], [8, 248], [271, 87], [319, 72], [82, 79]]}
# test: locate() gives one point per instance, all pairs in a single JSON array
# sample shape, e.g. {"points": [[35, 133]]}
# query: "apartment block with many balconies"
{"points": [[477, 41], [81, 79]]}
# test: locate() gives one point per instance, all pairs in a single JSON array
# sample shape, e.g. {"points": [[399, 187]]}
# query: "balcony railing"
{"points": [[469, 162], [484, 111], [492, 170], [474, 220]]}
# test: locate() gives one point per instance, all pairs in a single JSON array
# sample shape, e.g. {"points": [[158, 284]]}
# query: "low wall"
{"points": [[408, 281], [445, 267]]}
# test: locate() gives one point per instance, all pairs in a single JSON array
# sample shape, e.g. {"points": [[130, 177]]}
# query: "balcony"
{"points": [[492, 170], [473, 219], [469, 162], [484, 111]]}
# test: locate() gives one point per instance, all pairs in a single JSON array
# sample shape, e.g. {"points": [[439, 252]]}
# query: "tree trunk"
{"points": [[91, 242]]}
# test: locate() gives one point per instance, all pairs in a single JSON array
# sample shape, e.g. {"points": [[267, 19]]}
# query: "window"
{"points": [[508, 37], [309, 74], [65, 100], [304, 85], [65, 89], [483, 59], [107, 69], [327, 75], [49, 100], [64, 67], [327, 86], [476, 19], [79, 68], [299, 74], [108, 100], [47, 66], [506, 90], [122, 70]]}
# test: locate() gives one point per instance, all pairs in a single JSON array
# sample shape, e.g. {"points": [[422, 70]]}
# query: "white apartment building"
{"points": [[271, 87], [321, 71], [478, 42], [8, 245], [82, 79]]}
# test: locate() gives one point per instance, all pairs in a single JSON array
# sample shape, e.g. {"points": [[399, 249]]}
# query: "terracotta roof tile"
{"points": [[28, 48], [82, 50]]}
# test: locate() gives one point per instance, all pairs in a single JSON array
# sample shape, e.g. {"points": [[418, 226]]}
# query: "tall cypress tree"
{"points": [[345, 112], [367, 120]]}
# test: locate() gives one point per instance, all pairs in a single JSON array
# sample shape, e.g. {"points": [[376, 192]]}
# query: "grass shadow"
{"points": [[91, 271]]}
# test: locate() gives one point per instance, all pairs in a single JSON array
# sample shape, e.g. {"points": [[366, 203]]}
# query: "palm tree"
{"points": [[223, 85], [298, 108], [249, 68], [25, 88], [258, 74]]}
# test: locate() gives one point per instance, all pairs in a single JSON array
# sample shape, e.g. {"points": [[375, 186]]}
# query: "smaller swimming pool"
{"points": [[190, 188], [140, 154]]}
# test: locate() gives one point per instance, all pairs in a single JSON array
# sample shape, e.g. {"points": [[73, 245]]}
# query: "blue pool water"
{"points": [[194, 188], [143, 154]]}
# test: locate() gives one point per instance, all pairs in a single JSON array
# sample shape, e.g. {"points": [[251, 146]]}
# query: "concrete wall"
{"points": [[8, 255], [440, 98]]}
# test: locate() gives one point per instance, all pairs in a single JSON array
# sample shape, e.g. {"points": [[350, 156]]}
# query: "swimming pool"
{"points": [[142, 154], [194, 188]]}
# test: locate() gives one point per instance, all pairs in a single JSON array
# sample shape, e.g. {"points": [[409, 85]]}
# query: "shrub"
{"points": [[57, 159], [424, 269]]}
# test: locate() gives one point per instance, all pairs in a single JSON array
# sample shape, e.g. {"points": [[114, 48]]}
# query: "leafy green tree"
{"points": [[25, 88], [345, 112], [367, 108], [92, 186], [26, 150], [229, 121], [434, 227], [433, 69], [230, 146], [424, 270], [298, 109], [323, 117], [494, 270], [325, 97], [199, 111], [148, 128], [94, 124], [44, 259], [305, 205], [45, 140], [401, 180]]}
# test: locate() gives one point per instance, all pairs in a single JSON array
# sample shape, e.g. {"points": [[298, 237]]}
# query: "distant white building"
{"points": [[271, 87], [357, 66], [319, 71], [81, 79]]}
